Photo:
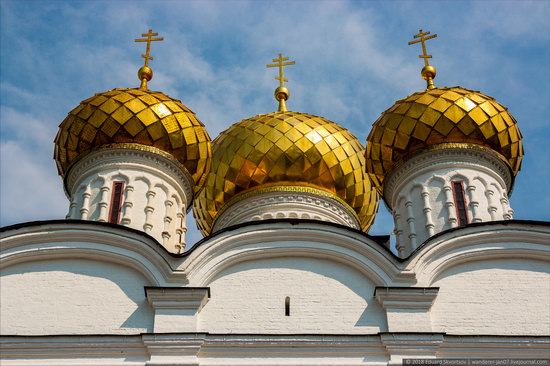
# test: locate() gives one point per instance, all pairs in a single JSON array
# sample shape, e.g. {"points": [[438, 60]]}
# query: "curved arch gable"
{"points": [[90, 241], [249, 243], [477, 243]]}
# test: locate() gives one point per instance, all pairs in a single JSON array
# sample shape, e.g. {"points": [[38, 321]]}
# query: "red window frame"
{"points": [[116, 202], [460, 203]]}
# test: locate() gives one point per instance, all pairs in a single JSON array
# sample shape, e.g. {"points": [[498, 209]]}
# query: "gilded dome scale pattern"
{"points": [[135, 116], [286, 148], [436, 116]]}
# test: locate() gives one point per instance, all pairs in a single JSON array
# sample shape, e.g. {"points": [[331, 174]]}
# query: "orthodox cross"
{"points": [[280, 63], [421, 37], [150, 38]]}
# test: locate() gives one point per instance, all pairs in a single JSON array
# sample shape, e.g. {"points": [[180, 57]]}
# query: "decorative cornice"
{"points": [[178, 349], [406, 297], [282, 187], [295, 200], [452, 146], [129, 146], [193, 298], [448, 155], [174, 347], [401, 345], [116, 155]]}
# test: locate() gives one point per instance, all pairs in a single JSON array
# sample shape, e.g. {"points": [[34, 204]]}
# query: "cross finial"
{"points": [[428, 72], [281, 93], [145, 73], [280, 63]]}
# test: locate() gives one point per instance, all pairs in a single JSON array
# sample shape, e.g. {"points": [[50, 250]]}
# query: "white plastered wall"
{"points": [[500, 296], [491, 279], [325, 297], [73, 296]]}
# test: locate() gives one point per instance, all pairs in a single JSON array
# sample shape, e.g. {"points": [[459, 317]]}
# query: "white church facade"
{"points": [[286, 273]]}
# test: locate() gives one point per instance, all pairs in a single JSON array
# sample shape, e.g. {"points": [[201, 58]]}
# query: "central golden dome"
{"points": [[286, 149], [135, 117]]}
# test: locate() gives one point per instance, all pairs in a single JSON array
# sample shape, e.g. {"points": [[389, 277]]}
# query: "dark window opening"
{"points": [[287, 306], [460, 203], [181, 226], [116, 202]]}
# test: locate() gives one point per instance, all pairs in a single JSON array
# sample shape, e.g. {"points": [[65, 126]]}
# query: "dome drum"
{"points": [[444, 187], [280, 202], [448, 154], [142, 157], [154, 191]]}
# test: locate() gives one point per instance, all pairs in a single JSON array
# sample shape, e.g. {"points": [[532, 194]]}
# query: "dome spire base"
{"points": [[143, 85], [282, 94], [430, 84], [428, 73], [282, 106]]}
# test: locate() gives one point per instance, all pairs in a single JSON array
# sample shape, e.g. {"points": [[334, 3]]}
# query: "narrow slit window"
{"points": [[116, 202], [287, 306], [460, 203]]}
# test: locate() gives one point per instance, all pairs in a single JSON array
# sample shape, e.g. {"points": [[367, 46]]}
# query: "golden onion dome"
{"points": [[438, 116], [135, 117], [286, 149]]}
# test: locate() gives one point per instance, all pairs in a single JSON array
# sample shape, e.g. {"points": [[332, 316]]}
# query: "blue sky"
{"points": [[352, 59]]}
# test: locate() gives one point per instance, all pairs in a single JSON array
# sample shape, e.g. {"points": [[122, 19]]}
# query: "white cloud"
{"points": [[31, 189], [25, 128]]}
